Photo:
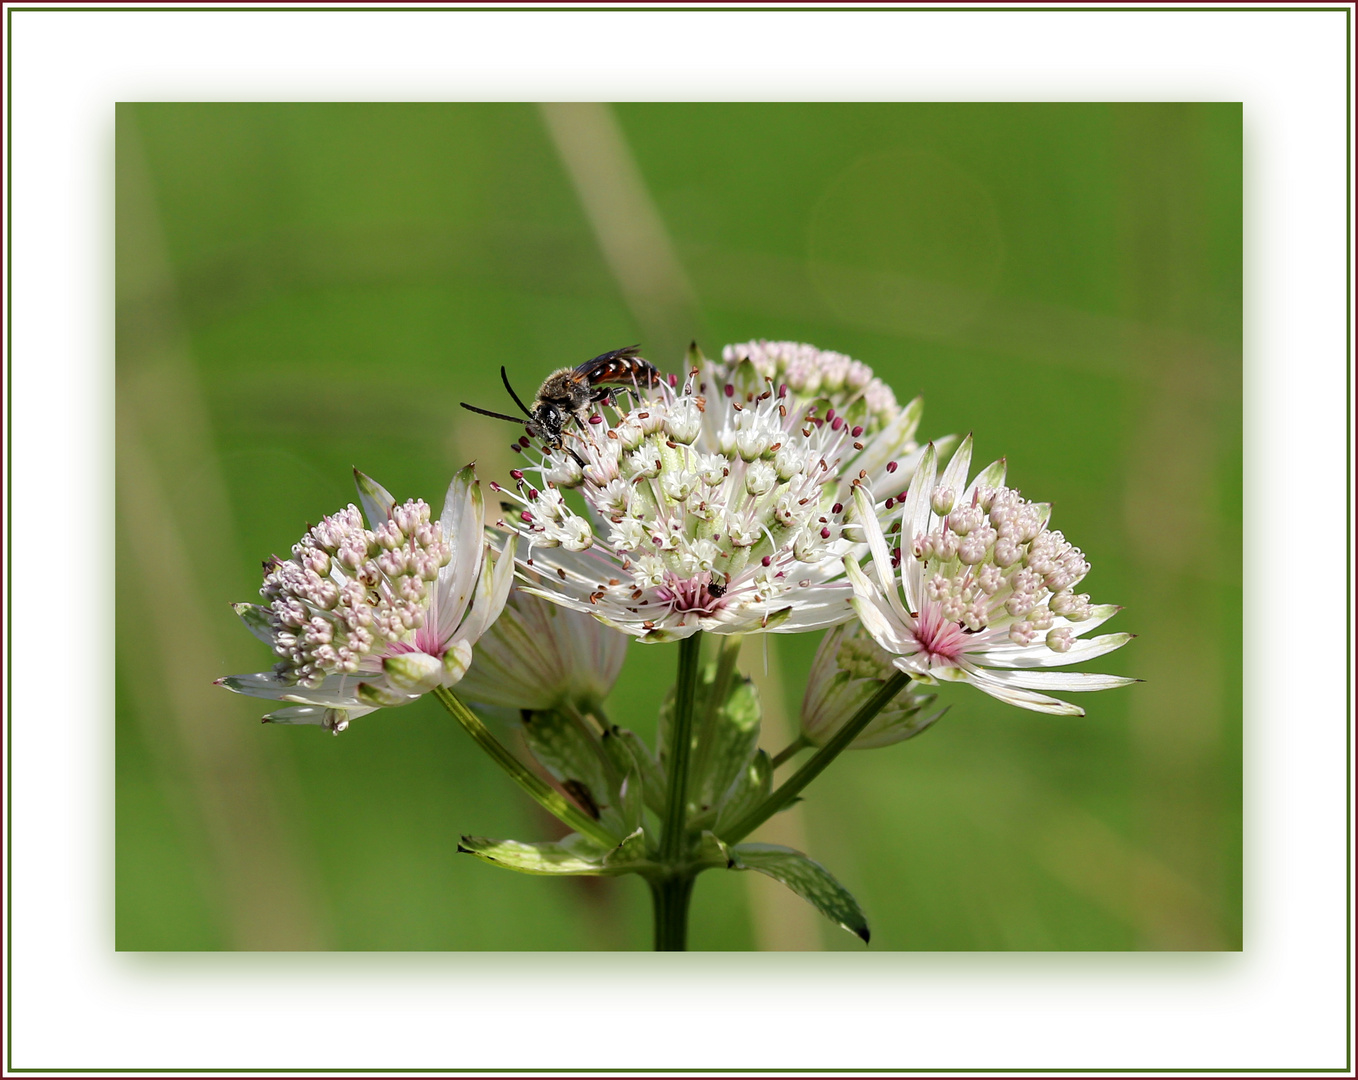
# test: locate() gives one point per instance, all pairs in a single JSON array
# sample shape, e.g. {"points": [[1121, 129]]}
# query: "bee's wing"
{"points": [[620, 365]]}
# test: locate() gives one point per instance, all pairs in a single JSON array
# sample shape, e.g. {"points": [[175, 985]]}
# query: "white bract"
{"points": [[366, 616], [976, 588], [539, 656], [719, 505]]}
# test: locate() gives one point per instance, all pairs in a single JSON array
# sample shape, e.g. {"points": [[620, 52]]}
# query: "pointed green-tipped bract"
{"points": [[807, 878], [572, 855]]}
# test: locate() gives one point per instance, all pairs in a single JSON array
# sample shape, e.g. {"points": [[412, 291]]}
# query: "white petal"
{"points": [[881, 557], [955, 475], [1024, 699], [1039, 656], [315, 714], [412, 672], [338, 691], [1058, 680], [915, 512], [256, 620], [876, 622], [492, 590], [377, 501], [463, 523]]}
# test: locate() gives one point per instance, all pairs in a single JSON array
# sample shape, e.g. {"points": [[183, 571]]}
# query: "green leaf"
{"points": [[631, 801], [627, 752], [573, 755], [808, 879], [572, 855], [628, 854], [712, 848], [544, 858], [751, 787], [735, 736]]}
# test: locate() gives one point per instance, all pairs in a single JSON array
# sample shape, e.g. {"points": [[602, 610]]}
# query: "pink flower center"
{"points": [[699, 594], [941, 640]]}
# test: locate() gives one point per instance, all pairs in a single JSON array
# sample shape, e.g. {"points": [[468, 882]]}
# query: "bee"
{"points": [[570, 393]]}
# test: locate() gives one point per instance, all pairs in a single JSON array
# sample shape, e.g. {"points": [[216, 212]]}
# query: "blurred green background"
{"points": [[305, 288]]}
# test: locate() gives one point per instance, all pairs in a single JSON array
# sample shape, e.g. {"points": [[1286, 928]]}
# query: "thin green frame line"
{"points": [[10, 12], [566, 9]]}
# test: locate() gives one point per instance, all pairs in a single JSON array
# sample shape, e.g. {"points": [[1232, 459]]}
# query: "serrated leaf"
{"points": [[575, 758], [808, 879], [751, 787], [627, 752]]}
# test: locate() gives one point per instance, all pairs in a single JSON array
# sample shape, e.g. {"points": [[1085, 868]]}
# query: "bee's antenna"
{"points": [[504, 378], [487, 412]]}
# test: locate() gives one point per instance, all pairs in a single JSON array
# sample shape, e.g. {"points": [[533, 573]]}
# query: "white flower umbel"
{"points": [[542, 656], [976, 588], [719, 505], [848, 669], [366, 616]]}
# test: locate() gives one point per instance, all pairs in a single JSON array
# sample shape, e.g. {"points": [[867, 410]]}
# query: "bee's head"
{"points": [[549, 418]]}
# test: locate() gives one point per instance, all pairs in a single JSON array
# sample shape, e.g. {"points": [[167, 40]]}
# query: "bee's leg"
{"points": [[578, 459]]}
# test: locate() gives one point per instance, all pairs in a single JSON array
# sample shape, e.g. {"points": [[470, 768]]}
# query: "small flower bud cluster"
{"points": [[992, 562], [848, 669], [811, 373], [348, 589]]}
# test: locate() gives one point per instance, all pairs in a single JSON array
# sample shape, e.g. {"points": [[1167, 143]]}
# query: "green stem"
{"points": [[826, 754], [551, 800], [681, 745], [790, 750], [671, 896]]}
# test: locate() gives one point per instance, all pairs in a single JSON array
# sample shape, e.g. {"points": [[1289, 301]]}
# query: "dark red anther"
{"points": [[896, 553], [829, 414], [837, 424], [674, 381], [902, 495], [596, 419], [532, 493], [857, 431], [890, 503], [517, 474], [890, 466], [607, 402], [516, 448], [825, 533], [495, 487], [767, 560], [524, 440], [729, 390], [838, 508], [526, 516], [782, 391]]}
